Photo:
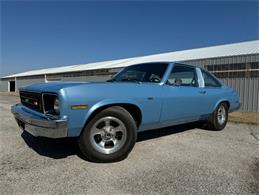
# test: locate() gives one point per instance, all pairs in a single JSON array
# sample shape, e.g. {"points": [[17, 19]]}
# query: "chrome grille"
{"points": [[31, 100]]}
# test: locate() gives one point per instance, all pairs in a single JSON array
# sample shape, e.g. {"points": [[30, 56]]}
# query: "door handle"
{"points": [[202, 92], [150, 98]]}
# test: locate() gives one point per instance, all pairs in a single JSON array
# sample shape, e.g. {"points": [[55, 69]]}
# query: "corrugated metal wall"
{"points": [[4, 85], [78, 78], [247, 84], [24, 81], [248, 91]]}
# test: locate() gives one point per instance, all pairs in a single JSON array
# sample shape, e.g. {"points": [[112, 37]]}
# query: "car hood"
{"points": [[50, 87], [56, 86]]}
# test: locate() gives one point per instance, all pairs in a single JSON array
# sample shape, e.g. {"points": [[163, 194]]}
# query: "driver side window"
{"points": [[182, 75]]}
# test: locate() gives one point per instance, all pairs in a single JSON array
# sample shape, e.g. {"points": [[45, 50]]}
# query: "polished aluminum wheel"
{"points": [[221, 115], [108, 135]]}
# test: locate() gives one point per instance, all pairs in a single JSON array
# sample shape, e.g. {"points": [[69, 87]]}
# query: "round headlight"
{"points": [[56, 106]]}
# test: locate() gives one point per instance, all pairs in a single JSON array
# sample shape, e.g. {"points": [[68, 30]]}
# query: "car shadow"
{"points": [[156, 133], [53, 148], [64, 147]]}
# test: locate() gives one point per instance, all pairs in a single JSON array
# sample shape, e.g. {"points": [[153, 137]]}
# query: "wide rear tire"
{"points": [[219, 117], [109, 136]]}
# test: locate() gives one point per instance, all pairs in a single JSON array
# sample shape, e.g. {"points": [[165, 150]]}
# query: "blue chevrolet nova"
{"points": [[106, 116]]}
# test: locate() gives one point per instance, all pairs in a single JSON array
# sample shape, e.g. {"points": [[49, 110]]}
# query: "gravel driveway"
{"points": [[180, 159]]}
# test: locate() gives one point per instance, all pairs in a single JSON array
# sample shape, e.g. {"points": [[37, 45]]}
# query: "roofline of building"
{"points": [[127, 60]]}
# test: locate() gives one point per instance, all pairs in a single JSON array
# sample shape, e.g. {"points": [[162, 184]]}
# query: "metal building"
{"points": [[236, 64]]}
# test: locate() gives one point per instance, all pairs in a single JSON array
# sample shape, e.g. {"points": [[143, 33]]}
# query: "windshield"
{"points": [[149, 72]]}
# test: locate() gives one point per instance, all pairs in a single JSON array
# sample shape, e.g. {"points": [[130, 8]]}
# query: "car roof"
{"points": [[167, 62]]}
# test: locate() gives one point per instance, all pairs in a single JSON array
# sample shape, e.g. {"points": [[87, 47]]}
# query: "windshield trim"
{"points": [[167, 73], [164, 75]]}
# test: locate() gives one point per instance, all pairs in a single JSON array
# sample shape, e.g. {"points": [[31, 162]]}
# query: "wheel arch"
{"points": [[134, 110], [222, 101]]}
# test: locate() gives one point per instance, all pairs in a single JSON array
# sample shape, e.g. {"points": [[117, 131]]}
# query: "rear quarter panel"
{"points": [[230, 95], [222, 94]]}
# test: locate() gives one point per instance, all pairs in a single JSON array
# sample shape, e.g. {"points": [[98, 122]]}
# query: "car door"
{"points": [[182, 96]]}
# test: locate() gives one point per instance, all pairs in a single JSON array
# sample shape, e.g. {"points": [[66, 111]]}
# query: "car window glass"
{"points": [[148, 72], [183, 76], [209, 80], [133, 75]]}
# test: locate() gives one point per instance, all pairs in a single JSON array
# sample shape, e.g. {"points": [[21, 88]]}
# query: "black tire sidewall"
{"points": [[214, 121], [91, 153]]}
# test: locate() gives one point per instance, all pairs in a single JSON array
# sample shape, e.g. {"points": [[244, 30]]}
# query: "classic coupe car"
{"points": [[106, 116]]}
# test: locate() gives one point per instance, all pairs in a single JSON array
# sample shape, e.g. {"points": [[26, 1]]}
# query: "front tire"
{"points": [[109, 136], [219, 117]]}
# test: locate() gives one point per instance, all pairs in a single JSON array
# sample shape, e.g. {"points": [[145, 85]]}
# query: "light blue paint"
{"points": [[170, 105]]}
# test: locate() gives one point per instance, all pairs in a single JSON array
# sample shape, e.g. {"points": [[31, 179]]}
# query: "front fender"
{"points": [[77, 128], [109, 102]]}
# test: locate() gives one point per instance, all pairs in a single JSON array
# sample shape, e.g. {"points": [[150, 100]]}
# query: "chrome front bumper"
{"points": [[38, 125]]}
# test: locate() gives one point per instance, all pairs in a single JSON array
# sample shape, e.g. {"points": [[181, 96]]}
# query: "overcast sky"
{"points": [[47, 34]]}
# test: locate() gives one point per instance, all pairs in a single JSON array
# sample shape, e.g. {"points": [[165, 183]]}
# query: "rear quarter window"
{"points": [[209, 80]]}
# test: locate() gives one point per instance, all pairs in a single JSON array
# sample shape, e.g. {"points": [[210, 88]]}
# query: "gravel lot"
{"points": [[180, 159]]}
